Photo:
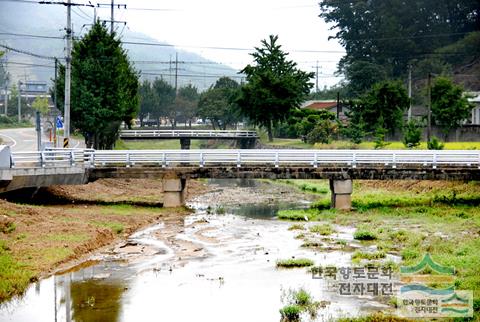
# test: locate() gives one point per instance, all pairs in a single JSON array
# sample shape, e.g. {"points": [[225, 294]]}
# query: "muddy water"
{"points": [[222, 268]]}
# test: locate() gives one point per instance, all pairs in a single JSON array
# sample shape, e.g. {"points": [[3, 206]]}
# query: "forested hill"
{"points": [[382, 38], [20, 19]]}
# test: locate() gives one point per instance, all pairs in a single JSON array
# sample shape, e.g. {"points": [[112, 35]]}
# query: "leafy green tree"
{"points": [[148, 100], [186, 103], [391, 33], [354, 130], [412, 133], [218, 104], [41, 104], [383, 106], [165, 97], [450, 107], [13, 103], [323, 132], [274, 86], [104, 87]]}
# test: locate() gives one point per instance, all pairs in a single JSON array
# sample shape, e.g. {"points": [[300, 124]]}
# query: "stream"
{"points": [[220, 266]]}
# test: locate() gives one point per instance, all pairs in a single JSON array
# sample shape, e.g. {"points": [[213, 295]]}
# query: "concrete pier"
{"points": [[174, 192], [341, 194]]}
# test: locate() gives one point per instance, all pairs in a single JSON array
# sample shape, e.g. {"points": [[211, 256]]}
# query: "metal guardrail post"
{"points": [[394, 161], [239, 160], [42, 159], [315, 160], [164, 160], [276, 160], [92, 159], [128, 160], [354, 160], [202, 162], [434, 161], [72, 159]]}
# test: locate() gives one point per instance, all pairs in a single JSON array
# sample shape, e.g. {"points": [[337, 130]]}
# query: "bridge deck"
{"points": [[186, 134]]}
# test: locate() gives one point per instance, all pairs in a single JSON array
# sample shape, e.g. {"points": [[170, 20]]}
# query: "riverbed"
{"points": [[217, 264]]}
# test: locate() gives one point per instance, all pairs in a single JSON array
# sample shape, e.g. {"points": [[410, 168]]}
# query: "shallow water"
{"points": [[235, 278]]}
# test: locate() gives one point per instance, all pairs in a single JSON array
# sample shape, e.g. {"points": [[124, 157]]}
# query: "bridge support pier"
{"points": [[247, 143], [174, 192], [185, 143], [341, 194]]}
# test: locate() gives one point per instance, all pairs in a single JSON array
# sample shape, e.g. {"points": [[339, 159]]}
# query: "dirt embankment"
{"points": [[62, 225]]}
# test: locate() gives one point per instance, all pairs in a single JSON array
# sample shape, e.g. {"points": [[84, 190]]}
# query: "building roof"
{"points": [[319, 105]]}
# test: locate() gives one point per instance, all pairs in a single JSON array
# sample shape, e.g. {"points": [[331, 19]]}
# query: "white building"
{"points": [[476, 110]]}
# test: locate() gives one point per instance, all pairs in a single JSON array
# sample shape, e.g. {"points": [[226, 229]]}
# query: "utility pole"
{"points": [[429, 112], [68, 75], [68, 64], [317, 79], [55, 104], [112, 16], [6, 91], [176, 73], [410, 92], [112, 6], [19, 101]]}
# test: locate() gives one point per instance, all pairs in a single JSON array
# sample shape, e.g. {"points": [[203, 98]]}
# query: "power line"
{"points": [[26, 52]]}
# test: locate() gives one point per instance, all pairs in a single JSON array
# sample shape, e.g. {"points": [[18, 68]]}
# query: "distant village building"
{"points": [[475, 99], [325, 105]]}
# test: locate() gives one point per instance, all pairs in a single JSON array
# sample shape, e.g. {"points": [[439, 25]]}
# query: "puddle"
{"points": [[230, 275]]}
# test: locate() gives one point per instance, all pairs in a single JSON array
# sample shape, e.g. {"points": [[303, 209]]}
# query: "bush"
{"points": [[322, 132], [290, 313], [435, 144], [379, 137], [412, 133]]}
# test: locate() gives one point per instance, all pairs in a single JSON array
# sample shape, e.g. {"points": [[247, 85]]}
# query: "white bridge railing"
{"points": [[187, 133], [261, 158]]}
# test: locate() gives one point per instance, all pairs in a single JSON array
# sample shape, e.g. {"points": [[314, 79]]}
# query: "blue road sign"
{"points": [[59, 122]]}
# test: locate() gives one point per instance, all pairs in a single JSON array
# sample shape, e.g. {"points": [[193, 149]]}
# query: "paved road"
{"points": [[25, 139]]}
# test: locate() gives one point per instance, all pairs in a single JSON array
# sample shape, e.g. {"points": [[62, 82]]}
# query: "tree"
{"points": [[13, 103], [218, 103], [41, 104], [449, 106], [4, 76], [382, 107], [186, 103], [165, 97], [274, 86], [391, 33], [104, 87], [412, 133], [147, 100]]}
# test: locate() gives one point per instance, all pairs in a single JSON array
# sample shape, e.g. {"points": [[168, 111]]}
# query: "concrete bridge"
{"points": [[245, 139], [58, 166]]}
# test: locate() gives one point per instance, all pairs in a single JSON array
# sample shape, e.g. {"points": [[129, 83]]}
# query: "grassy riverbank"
{"points": [[397, 145], [42, 237], [408, 219]]}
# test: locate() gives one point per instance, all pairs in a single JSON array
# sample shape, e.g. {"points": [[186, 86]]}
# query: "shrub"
{"points": [[412, 133], [435, 144], [296, 227], [296, 215], [369, 256]]}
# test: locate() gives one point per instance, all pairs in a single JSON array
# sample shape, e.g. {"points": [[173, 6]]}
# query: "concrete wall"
{"points": [[5, 154]]}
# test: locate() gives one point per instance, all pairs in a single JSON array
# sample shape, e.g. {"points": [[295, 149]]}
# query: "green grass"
{"points": [[324, 229], [395, 145], [358, 255], [165, 145], [114, 226], [294, 262], [290, 313], [296, 227], [75, 238], [364, 235], [295, 215], [14, 276]]}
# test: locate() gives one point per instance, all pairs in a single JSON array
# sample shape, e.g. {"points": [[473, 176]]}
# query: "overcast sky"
{"points": [[237, 24]]}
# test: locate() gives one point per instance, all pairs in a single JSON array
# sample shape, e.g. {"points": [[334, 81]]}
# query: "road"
{"points": [[25, 139]]}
